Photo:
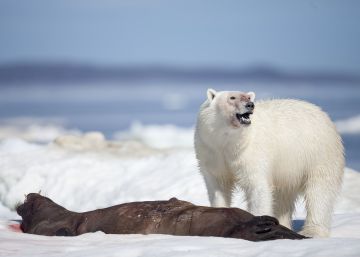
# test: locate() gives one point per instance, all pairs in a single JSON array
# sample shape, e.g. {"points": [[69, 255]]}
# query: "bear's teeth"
{"points": [[245, 120]]}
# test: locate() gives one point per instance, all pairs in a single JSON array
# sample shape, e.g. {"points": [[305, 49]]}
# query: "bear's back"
{"points": [[282, 116]]}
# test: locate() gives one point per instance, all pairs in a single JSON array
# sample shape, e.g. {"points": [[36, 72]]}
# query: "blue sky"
{"points": [[292, 35]]}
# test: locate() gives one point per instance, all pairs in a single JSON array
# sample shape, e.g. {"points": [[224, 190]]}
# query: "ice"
{"points": [[157, 164], [34, 129], [158, 136], [349, 126]]}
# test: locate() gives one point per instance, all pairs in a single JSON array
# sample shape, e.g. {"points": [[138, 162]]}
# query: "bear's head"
{"points": [[234, 107]]}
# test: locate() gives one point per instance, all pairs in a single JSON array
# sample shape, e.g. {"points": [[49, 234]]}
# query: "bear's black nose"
{"points": [[250, 106]]}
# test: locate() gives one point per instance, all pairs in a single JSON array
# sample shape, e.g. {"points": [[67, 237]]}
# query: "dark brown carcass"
{"points": [[42, 216]]}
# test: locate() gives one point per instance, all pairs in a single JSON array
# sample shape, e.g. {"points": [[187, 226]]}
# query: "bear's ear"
{"points": [[211, 93], [252, 96]]}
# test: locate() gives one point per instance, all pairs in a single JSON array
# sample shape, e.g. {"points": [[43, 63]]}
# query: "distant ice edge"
{"points": [[159, 136]]}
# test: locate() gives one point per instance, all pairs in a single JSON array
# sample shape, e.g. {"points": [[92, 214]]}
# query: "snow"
{"points": [[157, 164], [99, 244]]}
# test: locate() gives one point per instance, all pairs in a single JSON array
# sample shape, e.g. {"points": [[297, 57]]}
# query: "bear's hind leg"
{"points": [[321, 191]]}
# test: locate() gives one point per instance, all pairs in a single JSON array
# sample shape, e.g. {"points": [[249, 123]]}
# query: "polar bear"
{"points": [[274, 152]]}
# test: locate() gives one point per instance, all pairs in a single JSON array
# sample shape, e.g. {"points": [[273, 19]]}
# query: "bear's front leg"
{"points": [[258, 195]]}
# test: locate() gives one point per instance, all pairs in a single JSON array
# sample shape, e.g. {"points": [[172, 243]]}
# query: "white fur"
{"points": [[291, 147]]}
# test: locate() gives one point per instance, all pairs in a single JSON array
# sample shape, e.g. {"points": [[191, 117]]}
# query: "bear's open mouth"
{"points": [[244, 118]]}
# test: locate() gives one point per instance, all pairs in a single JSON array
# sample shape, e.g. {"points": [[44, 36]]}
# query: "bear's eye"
{"points": [[232, 97]]}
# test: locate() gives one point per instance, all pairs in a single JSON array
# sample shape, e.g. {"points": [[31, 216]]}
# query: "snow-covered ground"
{"points": [[156, 164]]}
